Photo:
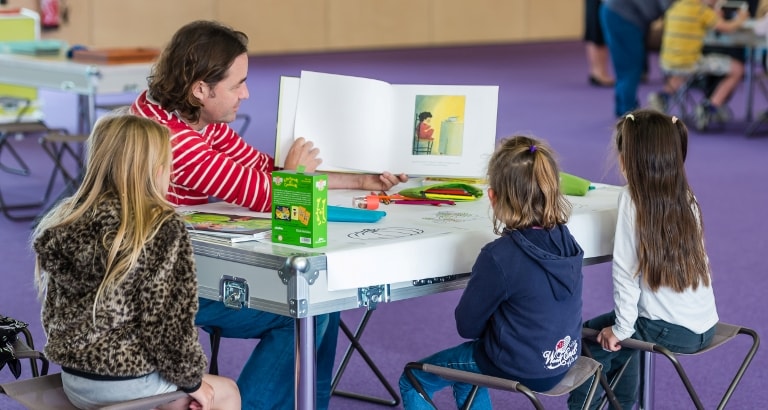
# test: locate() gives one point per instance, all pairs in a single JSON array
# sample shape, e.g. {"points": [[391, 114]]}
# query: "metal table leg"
{"points": [[750, 78], [354, 339], [647, 360], [306, 372]]}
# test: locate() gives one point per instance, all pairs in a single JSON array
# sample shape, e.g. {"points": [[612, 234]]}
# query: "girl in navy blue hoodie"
{"points": [[522, 305]]}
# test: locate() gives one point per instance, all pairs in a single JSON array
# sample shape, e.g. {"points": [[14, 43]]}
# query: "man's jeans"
{"points": [[267, 379]]}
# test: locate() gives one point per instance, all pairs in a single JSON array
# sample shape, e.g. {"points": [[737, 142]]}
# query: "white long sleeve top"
{"points": [[692, 309]]}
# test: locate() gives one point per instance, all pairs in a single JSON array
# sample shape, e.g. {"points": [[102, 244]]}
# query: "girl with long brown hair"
{"points": [[662, 288]]}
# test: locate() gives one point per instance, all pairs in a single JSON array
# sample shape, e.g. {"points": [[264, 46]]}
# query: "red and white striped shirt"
{"points": [[212, 162]]}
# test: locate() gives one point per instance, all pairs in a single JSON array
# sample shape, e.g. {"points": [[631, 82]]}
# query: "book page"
{"points": [[288, 97], [346, 117], [444, 130], [365, 125]]}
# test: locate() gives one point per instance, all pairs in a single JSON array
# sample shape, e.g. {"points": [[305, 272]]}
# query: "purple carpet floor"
{"points": [[543, 92]]}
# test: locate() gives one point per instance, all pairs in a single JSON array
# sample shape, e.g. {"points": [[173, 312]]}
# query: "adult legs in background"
{"points": [[597, 52], [460, 357], [267, 379], [626, 45]]}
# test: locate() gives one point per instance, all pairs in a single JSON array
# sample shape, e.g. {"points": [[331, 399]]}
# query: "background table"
{"points": [[84, 79]]}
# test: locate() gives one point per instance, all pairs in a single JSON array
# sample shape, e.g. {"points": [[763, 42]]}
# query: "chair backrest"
{"points": [[46, 392], [25, 349]]}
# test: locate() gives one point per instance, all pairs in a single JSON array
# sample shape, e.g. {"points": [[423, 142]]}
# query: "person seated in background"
{"points": [[424, 128], [686, 24], [423, 132]]}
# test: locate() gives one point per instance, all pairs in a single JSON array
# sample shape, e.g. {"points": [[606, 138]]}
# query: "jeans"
{"points": [[460, 357], [626, 45], [267, 380], [675, 338]]}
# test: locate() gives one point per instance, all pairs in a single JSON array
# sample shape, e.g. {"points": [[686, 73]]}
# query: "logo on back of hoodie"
{"points": [[564, 353]]}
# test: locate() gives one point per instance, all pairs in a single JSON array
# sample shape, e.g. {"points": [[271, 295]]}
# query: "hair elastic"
{"points": [[630, 116], [532, 149], [674, 120]]}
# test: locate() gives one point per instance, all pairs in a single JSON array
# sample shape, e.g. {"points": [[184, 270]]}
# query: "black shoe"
{"points": [[594, 81]]}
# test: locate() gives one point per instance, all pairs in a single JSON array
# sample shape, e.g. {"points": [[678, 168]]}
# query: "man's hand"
{"points": [[368, 182], [381, 182], [303, 152]]}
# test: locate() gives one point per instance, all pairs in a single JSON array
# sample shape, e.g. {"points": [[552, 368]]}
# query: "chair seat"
{"points": [[44, 392], [724, 332], [47, 393], [23, 127], [581, 371]]}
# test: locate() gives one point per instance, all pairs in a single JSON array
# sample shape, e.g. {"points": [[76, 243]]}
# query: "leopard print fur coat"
{"points": [[148, 322]]}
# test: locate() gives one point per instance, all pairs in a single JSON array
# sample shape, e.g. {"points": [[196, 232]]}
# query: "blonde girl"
{"points": [[116, 272]]}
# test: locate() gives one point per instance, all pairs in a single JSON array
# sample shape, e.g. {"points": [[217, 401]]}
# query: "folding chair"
{"points": [[47, 393], [246, 121], [215, 338], [354, 344], [684, 102], [583, 370], [60, 145], [19, 126], [25, 349], [723, 333], [762, 118], [422, 146]]}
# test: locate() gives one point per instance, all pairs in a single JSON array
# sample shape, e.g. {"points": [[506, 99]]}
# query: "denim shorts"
{"points": [[87, 393], [714, 64]]}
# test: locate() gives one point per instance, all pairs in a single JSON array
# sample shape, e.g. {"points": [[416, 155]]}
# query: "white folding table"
{"points": [[435, 248]]}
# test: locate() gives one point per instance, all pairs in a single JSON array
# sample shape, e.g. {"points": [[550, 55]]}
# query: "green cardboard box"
{"points": [[300, 208]]}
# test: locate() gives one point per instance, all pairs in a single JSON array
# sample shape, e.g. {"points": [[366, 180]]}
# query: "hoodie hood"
{"points": [[558, 254]]}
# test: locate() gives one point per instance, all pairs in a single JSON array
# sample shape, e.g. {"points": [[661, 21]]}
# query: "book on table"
{"points": [[366, 125], [231, 227]]}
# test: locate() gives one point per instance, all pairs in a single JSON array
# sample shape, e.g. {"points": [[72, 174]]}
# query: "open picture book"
{"points": [[366, 125]]}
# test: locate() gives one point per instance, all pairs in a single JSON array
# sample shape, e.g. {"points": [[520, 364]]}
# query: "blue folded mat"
{"points": [[344, 214]]}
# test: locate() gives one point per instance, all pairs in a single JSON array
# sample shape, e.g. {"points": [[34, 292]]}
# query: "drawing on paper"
{"points": [[453, 217], [385, 233], [439, 125]]}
